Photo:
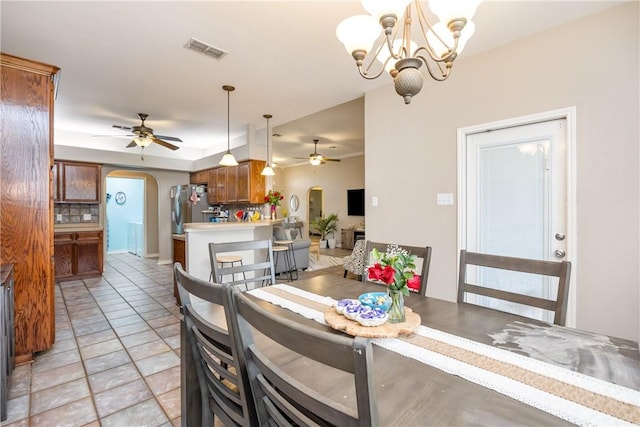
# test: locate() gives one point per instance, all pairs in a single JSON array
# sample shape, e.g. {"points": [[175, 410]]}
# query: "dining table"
{"points": [[463, 365]]}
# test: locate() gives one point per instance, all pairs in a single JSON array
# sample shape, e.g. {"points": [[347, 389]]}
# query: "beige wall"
{"points": [[591, 64], [334, 178]]}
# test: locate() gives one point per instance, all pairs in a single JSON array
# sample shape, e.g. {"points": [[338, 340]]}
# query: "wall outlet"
{"points": [[86, 217], [59, 217], [444, 199]]}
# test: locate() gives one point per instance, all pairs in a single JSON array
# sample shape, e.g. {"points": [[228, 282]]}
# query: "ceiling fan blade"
{"points": [[326, 159], [168, 138], [131, 144], [121, 127], [164, 143], [113, 136]]}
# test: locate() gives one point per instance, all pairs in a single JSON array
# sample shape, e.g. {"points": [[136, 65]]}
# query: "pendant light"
{"points": [[268, 170], [228, 159]]}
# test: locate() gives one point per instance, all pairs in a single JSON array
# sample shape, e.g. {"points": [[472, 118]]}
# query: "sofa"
{"points": [[293, 231]]}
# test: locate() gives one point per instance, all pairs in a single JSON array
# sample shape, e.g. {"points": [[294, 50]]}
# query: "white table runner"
{"points": [[569, 395]]}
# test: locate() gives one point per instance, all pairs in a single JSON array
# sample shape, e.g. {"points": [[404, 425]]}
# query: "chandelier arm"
{"points": [[444, 74], [422, 19], [364, 73]]}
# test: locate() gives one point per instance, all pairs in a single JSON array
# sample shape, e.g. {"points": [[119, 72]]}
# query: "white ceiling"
{"points": [[122, 58]]}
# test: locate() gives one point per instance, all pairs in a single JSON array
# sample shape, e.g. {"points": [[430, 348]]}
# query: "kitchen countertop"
{"points": [[212, 226], [76, 227]]}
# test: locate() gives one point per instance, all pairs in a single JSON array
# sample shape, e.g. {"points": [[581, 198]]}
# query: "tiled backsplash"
{"points": [[74, 213]]}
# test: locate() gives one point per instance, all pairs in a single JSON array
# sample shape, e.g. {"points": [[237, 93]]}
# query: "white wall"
{"points": [[333, 177], [591, 64]]}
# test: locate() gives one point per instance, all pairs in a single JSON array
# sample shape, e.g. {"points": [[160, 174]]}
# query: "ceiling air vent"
{"points": [[206, 49]]}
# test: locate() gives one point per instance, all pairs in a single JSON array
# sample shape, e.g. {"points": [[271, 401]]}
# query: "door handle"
{"points": [[559, 253]]}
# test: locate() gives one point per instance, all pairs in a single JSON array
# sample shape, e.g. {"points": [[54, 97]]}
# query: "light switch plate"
{"points": [[374, 201], [86, 217], [444, 199]]}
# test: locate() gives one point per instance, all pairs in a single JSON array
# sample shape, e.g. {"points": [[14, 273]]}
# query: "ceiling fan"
{"points": [[143, 136], [316, 158]]}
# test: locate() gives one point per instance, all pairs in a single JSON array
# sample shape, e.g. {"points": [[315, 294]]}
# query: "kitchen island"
{"points": [[199, 235]]}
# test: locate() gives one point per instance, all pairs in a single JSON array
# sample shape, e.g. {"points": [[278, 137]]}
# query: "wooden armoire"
{"points": [[26, 202]]}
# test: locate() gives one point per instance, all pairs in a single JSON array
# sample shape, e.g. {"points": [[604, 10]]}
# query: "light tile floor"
{"points": [[116, 358]]}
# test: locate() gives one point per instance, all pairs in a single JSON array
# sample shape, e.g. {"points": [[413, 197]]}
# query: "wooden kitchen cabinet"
{"points": [[78, 254], [179, 255], [26, 217], [78, 182], [199, 178], [237, 184]]}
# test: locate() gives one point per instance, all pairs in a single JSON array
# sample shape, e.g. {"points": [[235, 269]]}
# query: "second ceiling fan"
{"points": [[316, 158]]}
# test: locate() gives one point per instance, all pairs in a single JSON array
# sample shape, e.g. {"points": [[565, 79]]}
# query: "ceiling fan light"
{"points": [[142, 141], [315, 161], [228, 160], [267, 171]]}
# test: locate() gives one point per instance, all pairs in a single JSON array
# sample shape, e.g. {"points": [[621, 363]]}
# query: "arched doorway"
{"points": [[137, 228]]}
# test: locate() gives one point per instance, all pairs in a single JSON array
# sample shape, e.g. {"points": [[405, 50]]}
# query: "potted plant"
{"points": [[325, 226]]}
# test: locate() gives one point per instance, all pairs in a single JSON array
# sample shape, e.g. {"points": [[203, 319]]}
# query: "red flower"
{"points": [[384, 275], [414, 283]]}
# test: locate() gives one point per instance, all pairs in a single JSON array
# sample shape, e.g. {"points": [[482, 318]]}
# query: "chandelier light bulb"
{"points": [[402, 49], [358, 33]]}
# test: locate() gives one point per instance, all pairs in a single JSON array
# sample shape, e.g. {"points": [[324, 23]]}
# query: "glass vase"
{"points": [[396, 309], [273, 211]]}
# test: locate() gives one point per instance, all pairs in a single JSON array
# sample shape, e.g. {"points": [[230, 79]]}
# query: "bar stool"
{"points": [[227, 259], [285, 247]]}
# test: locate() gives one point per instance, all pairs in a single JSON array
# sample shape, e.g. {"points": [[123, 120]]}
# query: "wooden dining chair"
{"points": [[281, 398], [423, 253], [225, 392], [561, 270], [248, 274]]}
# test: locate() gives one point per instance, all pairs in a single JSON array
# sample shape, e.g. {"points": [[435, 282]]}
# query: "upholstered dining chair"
{"points": [[225, 392], [355, 262], [423, 255], [560, 270], [248, 274], [282, 399]]}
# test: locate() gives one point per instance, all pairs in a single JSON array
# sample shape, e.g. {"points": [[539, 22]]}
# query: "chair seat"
{"points": [[280, 248], [228, 258]]}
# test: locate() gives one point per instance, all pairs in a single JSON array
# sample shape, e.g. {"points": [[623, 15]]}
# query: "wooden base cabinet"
{"points": [[26, 217], [78, 254]]}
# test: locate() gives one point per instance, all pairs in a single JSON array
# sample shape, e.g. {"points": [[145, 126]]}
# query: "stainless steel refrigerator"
{"points": [[187, 203]]}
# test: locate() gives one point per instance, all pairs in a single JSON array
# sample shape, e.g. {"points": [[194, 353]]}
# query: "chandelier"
{"points": [[268, 169], [228, 159], [394, 50]]}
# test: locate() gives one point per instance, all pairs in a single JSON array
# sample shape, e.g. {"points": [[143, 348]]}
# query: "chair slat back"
{"points": [[260, 272], [282, 398], [561, 270], [223, 381], [423, 253]]}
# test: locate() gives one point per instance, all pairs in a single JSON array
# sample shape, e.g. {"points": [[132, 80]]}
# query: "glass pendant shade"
{"points": [[267, 171], [315, 161], [446, 10], [358, 32], [378, 8], [228, 160]]}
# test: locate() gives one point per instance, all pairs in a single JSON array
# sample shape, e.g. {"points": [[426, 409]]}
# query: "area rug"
{"points": [[325, 261]]}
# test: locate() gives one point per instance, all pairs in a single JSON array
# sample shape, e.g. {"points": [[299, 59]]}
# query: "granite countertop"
{"points": [[178, 237], [212, 226], [77, 227]]}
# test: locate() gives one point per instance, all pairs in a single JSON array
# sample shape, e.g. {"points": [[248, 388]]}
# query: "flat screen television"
{"points": [[355, 202]]}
